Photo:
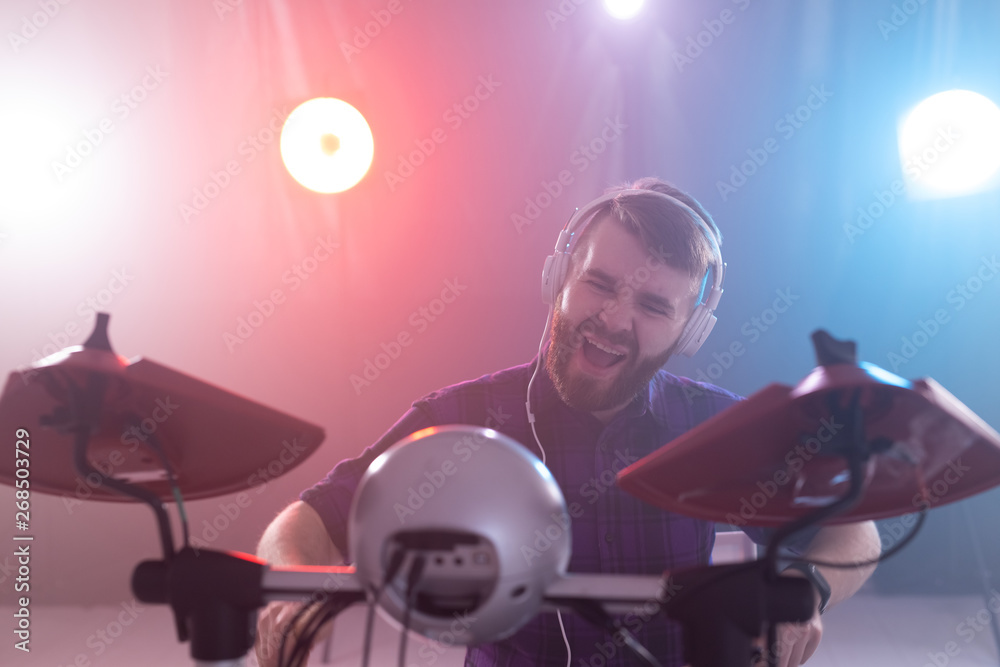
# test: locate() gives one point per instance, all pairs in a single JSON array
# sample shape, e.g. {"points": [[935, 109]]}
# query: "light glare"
{"points": [[623, 9], [31, 141], [949, 144], [327, 145]]}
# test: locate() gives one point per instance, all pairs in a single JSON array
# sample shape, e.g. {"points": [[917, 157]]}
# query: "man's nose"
{"points": [[617, 313]]}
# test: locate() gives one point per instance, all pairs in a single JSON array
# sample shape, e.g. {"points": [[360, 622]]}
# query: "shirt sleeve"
{"points": [[796, 546], [331, 497]]}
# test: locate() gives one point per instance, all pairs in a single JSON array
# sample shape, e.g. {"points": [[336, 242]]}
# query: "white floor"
{"points": [[867, 631]]}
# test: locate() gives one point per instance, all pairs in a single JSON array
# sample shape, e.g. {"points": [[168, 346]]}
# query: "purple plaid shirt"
{"points": [[612, 531]]}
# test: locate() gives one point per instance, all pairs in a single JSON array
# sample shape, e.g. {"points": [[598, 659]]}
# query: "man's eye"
{"points": [[656, 310], [598, 285]]}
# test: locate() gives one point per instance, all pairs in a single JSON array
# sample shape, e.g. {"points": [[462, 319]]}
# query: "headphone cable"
{"points": [[531, 382]]}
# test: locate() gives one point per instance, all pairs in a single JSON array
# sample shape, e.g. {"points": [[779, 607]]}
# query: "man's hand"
{"points": [[796, 642], [845, 543], [296, 537], [272, 625]]}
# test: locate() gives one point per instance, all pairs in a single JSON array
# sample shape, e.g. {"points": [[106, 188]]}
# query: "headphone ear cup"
{"points": [[553, 276], [698, 327], [547, 281]]}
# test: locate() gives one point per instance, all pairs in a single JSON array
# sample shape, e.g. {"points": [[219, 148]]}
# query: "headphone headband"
{"points": [[557, 265]]}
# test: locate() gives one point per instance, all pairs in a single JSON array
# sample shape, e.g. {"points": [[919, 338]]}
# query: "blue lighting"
{"points": [[949, 145]]}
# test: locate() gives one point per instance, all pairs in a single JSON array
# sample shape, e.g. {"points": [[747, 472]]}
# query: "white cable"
{"points": [[531, 420], [569, 651], [538, 364]]}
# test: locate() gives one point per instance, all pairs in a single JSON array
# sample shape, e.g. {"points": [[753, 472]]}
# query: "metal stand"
{"points": [[215, 595]]}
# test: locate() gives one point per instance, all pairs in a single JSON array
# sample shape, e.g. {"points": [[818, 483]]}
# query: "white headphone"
{"points": [[557, 266]]}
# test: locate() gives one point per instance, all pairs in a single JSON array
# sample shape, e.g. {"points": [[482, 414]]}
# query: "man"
{"points": [[636, 272]]}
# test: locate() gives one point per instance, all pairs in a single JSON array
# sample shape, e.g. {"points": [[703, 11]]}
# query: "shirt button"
{"points": [[608, 537], [603, 447]]}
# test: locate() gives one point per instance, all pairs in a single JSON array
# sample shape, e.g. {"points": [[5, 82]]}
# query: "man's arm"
{"points": [[297, 536], [849, 543]]}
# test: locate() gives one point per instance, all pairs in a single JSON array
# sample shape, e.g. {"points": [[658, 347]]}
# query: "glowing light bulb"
{"points": [[949, 144], [327, 145], [623, 9]]}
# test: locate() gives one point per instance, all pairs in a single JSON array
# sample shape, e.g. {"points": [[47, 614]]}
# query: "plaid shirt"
{"points": [[612, 531]]}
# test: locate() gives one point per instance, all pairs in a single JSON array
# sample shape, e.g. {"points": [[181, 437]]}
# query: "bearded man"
{"points": [[634, 279]]}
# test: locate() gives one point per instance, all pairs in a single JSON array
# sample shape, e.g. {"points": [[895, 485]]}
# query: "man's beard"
{"points": [[586, 393]]}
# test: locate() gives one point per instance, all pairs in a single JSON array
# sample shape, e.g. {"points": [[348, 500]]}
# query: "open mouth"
{"points": [[601, 355]]}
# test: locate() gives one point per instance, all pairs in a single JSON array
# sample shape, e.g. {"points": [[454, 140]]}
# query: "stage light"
{"points": [[37, 145], [326, 145], [623, 9], [949, 145]]}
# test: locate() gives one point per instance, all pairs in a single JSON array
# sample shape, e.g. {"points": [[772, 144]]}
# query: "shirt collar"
{"points": [[654, 408]]}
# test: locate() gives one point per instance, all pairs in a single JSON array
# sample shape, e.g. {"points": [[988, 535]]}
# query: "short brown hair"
{"points": [[668, 230]]}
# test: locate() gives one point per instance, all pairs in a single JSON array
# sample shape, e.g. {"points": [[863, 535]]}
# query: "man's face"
{"points": [[617, 320]]}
